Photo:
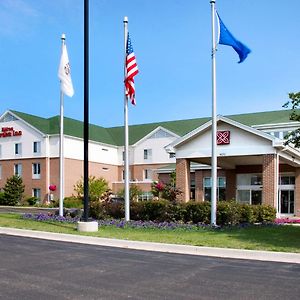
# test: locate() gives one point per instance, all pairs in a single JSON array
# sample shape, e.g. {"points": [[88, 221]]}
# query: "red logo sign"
{"points": [[9, 131], [223, 137]]}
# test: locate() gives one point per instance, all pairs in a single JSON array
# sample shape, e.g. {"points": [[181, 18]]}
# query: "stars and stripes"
{"points": [[131, 69]]}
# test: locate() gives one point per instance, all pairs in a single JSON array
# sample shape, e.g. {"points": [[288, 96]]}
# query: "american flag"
{"points": [[131, 70]]}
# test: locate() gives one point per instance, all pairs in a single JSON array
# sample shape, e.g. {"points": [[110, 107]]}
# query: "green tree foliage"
{"points": [[97, 188], [134, 192], [13, 190], [294, 104]]}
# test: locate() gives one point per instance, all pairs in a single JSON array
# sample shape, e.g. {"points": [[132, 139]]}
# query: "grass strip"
{"points": [[283, 238]]}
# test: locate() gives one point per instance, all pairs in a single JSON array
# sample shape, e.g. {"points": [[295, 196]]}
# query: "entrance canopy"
{"points": [[237, 144]]}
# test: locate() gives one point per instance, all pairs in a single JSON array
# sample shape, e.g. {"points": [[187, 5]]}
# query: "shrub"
{"points": [[157, 188], [264, 213], [13, 190], [246, 213], [228, 213], [73, 202], [134, 192], [171, 192], [196, 212], [97, 187], [157, 210], [105, 210], [32, 200], [2, 198]]}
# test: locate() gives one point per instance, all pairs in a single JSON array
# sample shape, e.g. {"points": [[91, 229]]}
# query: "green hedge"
{"points": [[228, 212]]}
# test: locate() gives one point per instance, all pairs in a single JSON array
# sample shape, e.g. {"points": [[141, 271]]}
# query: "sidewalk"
{"points": [[169, 248]]}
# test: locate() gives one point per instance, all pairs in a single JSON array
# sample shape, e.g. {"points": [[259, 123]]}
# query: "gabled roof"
{"points": [[115, 135], [208, 124]]}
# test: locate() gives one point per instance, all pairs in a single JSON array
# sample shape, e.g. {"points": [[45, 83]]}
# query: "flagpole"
{"points": [[61, 146], [214, 122], [86, 115], [126, 146]]}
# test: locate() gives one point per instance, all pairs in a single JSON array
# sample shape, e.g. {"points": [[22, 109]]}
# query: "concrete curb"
{"points": [[159, 247]]}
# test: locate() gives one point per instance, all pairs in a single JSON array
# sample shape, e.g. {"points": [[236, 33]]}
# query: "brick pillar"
{"points": [[269, 180], [230, 184], [297, 193], [183, 178], [199, 193]]}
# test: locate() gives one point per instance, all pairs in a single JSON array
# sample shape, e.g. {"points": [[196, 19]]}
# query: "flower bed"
{"points": [[287, 221]]}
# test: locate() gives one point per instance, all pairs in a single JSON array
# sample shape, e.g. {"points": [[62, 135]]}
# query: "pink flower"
{"points": [[52, 187], [159, 186]]}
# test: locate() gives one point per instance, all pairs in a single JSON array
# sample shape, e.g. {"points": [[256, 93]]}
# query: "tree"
{"points": [[13, 190], [134, 192], [293, 137], [97, 187]]}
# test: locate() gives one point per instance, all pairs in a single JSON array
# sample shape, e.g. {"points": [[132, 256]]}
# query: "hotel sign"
{"points": [[9, 131], [223, 137]]}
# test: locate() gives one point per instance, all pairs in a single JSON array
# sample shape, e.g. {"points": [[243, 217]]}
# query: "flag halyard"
{"points": [[131, 70]]}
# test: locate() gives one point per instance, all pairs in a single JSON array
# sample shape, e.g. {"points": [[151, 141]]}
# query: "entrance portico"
{"points": [[253, 167]]}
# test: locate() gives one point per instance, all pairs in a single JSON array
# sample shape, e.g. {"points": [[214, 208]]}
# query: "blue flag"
{"points": [[226, 38]]}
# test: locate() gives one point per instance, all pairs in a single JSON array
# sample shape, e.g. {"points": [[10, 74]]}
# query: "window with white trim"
{"points": [[147, 154], [148, 174], [36, 193], [37, 147], [221, 188], [18, 149], [172, 155], [18, 169], [36, 171]]}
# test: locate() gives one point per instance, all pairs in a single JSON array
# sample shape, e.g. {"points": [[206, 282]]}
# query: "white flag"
{"points": [[64, 73]]}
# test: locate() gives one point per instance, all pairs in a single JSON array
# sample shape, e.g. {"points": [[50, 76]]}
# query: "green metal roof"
{"points": [[115, 135]]}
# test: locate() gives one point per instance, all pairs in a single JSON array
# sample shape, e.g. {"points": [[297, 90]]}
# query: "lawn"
{"points": [[285, 238]]}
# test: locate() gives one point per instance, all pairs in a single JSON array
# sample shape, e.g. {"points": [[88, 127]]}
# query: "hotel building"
{"points": [[254, 164]]}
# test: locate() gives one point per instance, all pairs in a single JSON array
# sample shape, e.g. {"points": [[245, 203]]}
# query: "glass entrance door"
{"points": [[286, 202]]}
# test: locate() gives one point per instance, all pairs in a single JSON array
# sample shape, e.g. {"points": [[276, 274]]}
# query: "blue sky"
{"points": [[172, 43]]}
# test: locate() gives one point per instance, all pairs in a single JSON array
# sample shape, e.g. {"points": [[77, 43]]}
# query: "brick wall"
{"points": [[8, 171], [269, 180], [297, 192], [199, 193], [183, 178]]}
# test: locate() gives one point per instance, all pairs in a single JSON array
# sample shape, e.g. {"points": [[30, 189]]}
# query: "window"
{"points": [[18, 169], [123, 175], [172, 155], [249, 179], [249, 188], [160, 134], [36, 193], [256, 180], [36, 171], [36, 147], [147, 174], [18, 149], [287, 180], [221, 188], [147, 154], [0, 171]]}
